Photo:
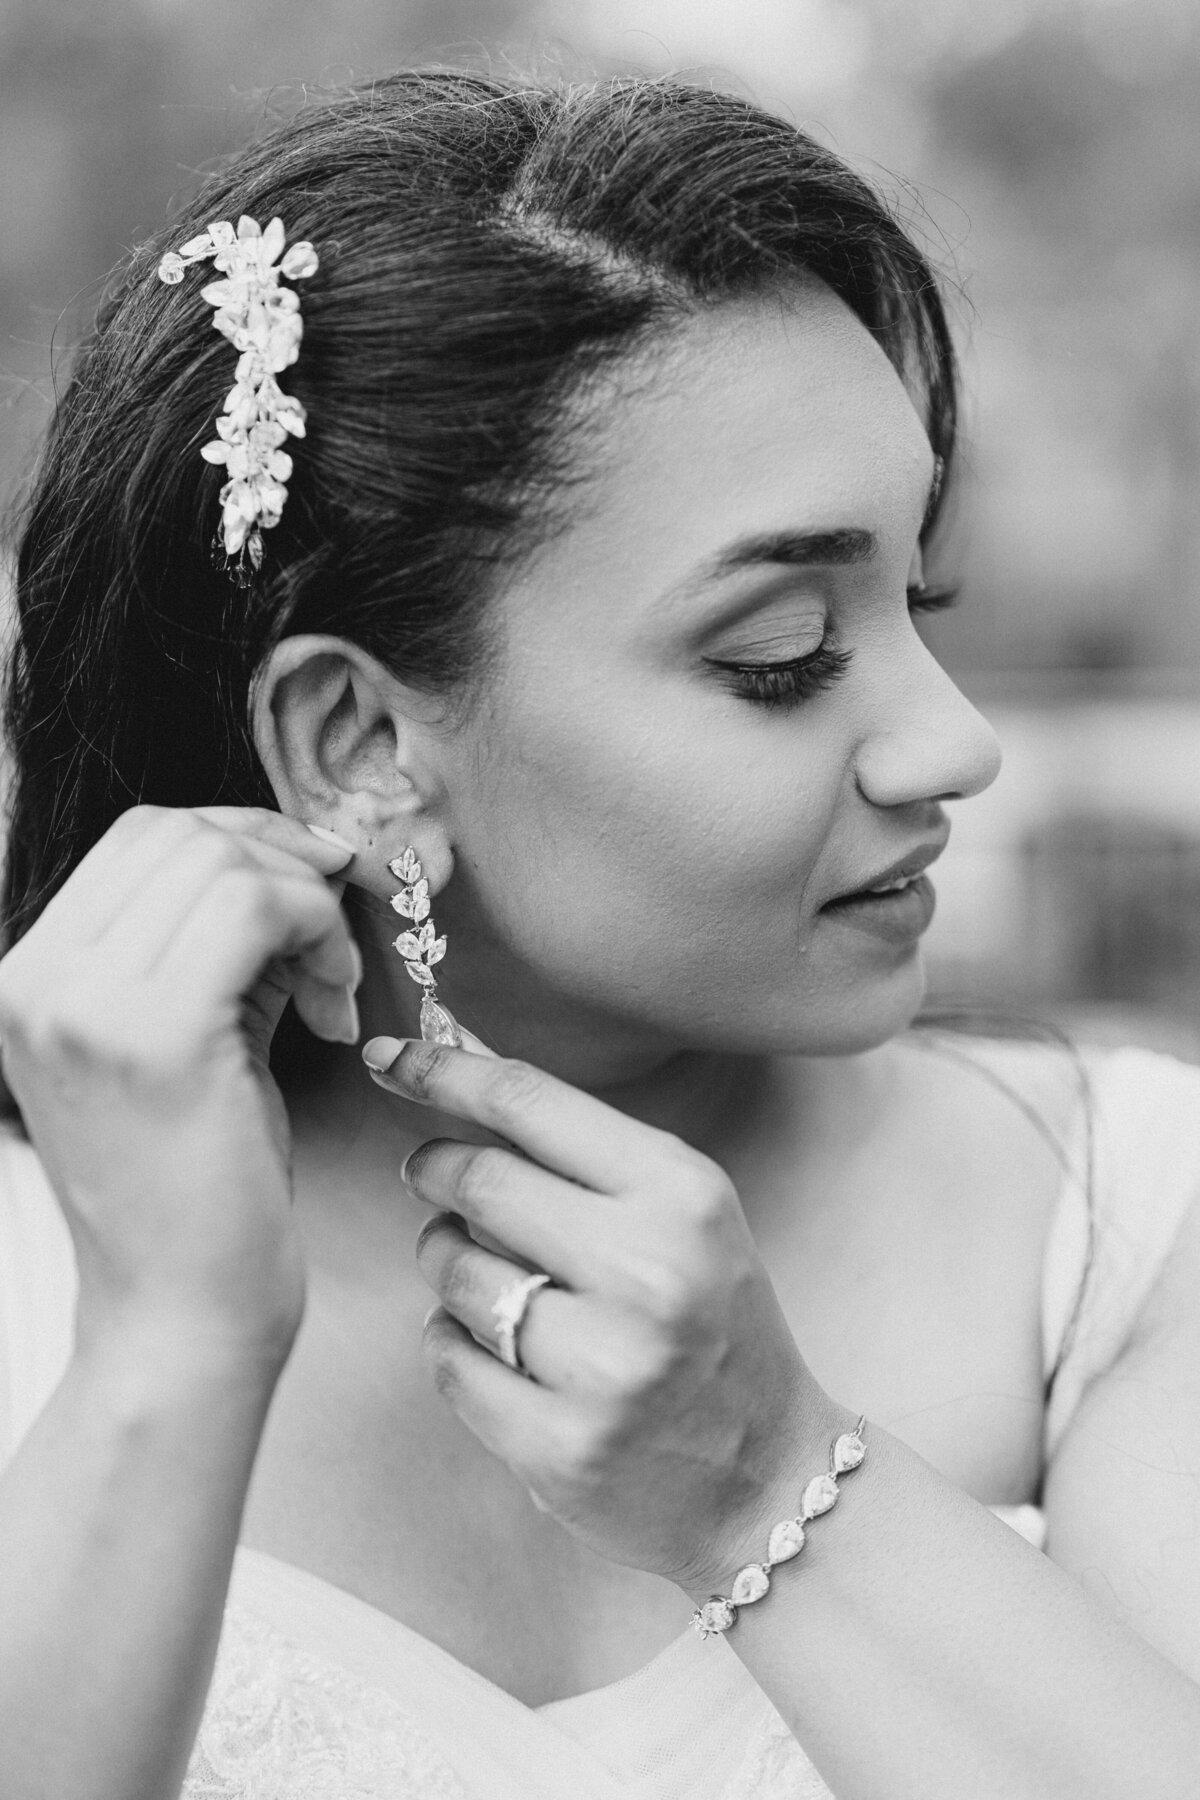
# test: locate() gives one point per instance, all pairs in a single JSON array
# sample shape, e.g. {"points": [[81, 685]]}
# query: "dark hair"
{"points": [[485, 246]]}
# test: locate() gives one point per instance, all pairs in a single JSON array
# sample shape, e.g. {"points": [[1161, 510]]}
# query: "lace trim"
{"points": [[776, 1768], [282, 1725]]}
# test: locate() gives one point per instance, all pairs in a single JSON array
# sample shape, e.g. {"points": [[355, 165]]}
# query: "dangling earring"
{"points": [[422, 948]]}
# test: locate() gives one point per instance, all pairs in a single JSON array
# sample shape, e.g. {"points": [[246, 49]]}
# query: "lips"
{"points": [[895, 876]]}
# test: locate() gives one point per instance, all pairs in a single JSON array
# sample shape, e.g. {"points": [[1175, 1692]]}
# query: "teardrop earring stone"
{"points": [[439, 1026]]}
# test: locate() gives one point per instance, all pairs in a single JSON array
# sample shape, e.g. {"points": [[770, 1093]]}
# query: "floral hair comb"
{"points": [[261, 319]]}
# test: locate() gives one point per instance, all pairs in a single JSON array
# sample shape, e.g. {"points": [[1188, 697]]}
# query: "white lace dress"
{"points": [[318, 1696]]}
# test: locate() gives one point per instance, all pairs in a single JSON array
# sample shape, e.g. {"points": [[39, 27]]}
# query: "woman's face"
{"points": [[658, 810]]}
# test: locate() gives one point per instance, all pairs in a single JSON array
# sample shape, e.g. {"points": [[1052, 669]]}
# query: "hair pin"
{"points": [[262, 321]]}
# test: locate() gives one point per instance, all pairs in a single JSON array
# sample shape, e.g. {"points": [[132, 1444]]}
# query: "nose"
{"points": [[925, 740]]}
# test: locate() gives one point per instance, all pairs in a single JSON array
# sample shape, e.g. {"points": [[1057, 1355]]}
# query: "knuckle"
{"points": [[170, 826], [654, 1358], [624, 1361], [68, 1030], [76, 1037], [439, 1348], [480, 1177], [699, 1190], [447, 1376], [419, 1067], [687, 1166], [670, 1282], [710, 1197], [593, 1445], [246, 894], [455, 1284], [211, 855], [580, 1451], [516, 1088], [259, 818], [136, 819], [670, 1297]]}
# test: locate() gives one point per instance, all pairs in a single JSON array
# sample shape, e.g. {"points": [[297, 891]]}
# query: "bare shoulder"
{"points": [[942, 1122], [942, 1160], [1001, 1116], [986, 1080], [1120, 1493]]}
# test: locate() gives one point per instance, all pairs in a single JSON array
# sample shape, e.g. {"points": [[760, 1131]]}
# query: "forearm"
{"points": [[919, 1647], [119, 1518]]}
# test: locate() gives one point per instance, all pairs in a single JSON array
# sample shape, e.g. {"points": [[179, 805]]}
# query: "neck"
{"points": [[698, 1094]]}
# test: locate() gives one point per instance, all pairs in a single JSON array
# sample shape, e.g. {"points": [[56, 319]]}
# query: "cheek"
{"points": [[663, 842]]}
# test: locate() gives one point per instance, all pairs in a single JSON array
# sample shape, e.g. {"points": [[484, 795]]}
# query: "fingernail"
{"points": [[356, 957], [331, 837], [381, 1052], [475, 1045]]}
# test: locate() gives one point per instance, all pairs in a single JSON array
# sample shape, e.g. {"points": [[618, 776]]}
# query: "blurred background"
{"points": [[1047, 152]]}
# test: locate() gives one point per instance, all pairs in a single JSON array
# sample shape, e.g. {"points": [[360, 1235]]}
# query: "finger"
{"points": [[541, 1218], [316, 845], [140, 929], [560, 1127], [113, 870], [519, 1421], [146, 839], [246, 921], [468, 1279], [570, 1342]]}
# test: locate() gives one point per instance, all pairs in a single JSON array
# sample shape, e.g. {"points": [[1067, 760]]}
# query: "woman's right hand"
{"points": [[136, 1017]]}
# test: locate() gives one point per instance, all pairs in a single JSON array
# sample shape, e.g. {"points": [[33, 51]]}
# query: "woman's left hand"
{"points": [[670, 1418]]}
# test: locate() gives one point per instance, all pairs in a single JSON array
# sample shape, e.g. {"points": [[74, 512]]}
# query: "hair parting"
{"points": [[486, 248]]}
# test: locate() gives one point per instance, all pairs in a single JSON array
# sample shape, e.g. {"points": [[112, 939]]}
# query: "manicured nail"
{"points": [[331, 837], [356, 957], [381, 1052]]}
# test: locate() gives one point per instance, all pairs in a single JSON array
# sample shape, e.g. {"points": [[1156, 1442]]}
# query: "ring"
{"points": [[508, 1314]]}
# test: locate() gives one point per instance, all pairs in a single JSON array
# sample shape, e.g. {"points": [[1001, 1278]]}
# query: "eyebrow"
{"points": [[793, 549]]}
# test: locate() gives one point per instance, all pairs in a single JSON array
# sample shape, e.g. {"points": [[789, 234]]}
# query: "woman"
{"points": [[585, 600]]}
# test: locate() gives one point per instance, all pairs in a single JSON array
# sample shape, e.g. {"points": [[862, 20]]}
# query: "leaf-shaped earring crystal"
{"points": [[421, 948]]}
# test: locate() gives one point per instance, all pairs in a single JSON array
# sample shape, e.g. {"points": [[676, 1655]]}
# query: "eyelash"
{"points": [[922, 599], [786, 684]]}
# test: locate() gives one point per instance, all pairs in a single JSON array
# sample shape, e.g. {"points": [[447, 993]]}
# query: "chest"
{"points": [[909, 1305]]}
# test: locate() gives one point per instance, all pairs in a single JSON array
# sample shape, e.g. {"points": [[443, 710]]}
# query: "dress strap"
{"points": [[1134, 1172]]}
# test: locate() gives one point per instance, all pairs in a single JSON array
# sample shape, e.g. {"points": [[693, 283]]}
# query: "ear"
{"points": [[348, 747]]}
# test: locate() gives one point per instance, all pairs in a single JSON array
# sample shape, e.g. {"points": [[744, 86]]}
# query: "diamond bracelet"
{"points": [[786, 1540]]}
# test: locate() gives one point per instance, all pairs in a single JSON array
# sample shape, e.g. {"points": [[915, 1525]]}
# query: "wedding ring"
{"points": [[508, 1314]]}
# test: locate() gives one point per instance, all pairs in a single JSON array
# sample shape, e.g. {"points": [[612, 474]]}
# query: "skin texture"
{"points": [[631, 862], [639, 854]]}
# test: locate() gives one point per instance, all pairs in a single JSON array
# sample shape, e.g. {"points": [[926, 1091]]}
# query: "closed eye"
{"points": [[924, 598], [787, 683]]}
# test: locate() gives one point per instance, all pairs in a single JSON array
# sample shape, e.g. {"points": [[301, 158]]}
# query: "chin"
{"points": [[861, 1015]]}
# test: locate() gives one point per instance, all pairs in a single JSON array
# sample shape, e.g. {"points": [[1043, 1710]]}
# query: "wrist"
{"points": [[167, 1359], [802, 1449]]}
